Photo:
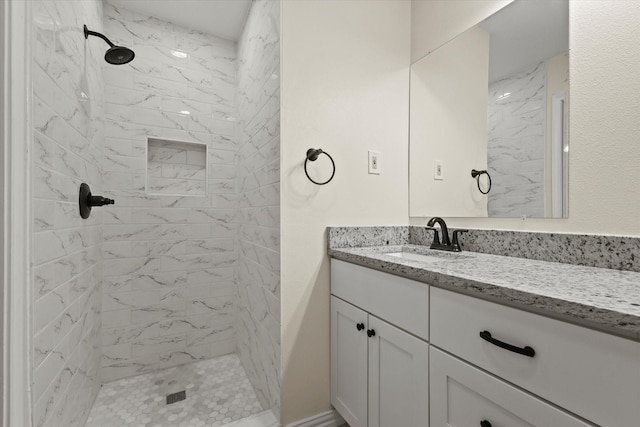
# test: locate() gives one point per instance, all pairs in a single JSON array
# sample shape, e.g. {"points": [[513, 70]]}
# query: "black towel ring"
{"points": [[476, 174], [312, 155]]}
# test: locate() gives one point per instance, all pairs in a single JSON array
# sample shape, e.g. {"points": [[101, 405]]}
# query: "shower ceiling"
{"points": [[222, 18]]}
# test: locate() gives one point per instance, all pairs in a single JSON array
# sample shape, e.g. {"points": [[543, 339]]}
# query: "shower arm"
{"points": [[88, 32]]}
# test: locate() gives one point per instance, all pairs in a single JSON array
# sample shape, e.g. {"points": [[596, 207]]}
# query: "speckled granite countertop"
{"points": [[598, 298]]}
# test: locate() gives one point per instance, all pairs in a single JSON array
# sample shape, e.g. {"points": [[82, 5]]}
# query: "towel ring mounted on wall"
{"points": [[476, 174], [312, 155]]}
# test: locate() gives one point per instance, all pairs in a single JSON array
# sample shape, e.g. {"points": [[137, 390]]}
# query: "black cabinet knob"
{"points": [[485, 423], [371, 333], [360, 326]]}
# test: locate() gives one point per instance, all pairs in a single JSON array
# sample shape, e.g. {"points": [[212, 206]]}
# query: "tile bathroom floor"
{"points": [[217, 393]]}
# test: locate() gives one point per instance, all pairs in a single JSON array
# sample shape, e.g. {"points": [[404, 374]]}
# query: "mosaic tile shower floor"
{"points": [[217, 393]]}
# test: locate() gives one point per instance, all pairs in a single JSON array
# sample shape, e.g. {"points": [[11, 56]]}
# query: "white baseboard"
{"points": [[324, 419]]}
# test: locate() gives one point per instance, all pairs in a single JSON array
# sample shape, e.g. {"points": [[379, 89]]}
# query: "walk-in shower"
{"points": [[164, 307]]}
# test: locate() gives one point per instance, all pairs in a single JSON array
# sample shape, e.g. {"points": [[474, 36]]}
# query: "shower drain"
{"points": [[176, 397]]}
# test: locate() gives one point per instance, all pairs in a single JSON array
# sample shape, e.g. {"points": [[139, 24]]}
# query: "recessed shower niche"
{"points": [[176, 168]]}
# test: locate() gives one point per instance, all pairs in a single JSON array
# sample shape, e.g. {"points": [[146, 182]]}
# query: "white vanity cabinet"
{"points": [[379, 372], [589, 373], [488, 365], [464, 396], [349, 362]]}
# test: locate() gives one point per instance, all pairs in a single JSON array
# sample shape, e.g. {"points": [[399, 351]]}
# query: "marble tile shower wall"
{"points": [[168, 295], [517, 124], [258, 183], [66, 263]]}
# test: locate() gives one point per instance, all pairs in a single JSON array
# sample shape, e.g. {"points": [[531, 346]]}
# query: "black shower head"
{"points": [[116, 55], [119, 55]]}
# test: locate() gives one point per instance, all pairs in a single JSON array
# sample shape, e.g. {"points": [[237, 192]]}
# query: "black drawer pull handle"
{"points": [[526, 351], [485, 423], [371, 333], [360, 326]]}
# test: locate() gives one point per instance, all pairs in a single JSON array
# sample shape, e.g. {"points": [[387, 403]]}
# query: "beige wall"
{"points": [[448, 115], [345, 87], [435, 22], [604, 157], [346, 90]]}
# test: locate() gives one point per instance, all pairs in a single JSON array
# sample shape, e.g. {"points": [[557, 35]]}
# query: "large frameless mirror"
{"points": [[494, 99]]}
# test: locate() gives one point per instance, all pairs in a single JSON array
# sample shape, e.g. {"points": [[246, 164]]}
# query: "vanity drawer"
{"points": [[399, 301], [592, 374], [464, 396]]}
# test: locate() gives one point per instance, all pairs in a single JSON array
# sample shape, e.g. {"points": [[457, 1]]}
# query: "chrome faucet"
{"points": [[446, 245]]}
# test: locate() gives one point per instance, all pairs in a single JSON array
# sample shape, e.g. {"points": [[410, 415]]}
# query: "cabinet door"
{"points": [[464, 396], [574, 367], [349, 362], [398, 377]]}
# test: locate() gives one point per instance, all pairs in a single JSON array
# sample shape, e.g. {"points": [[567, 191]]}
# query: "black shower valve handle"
{"points": [[99, 201], [86, 201]]}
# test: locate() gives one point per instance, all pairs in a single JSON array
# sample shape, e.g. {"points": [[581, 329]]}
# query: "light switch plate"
{"points": [[438, 173], [374, 162]]}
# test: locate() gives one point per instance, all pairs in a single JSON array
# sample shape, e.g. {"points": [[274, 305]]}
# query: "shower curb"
{"points": [[324, 419]]}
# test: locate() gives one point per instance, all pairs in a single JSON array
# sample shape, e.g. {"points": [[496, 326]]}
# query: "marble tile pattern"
{"points": [[258, 185], [217, 393], [168, 296], [516, 145], [176, 168], [602, 299], [66, 267]]}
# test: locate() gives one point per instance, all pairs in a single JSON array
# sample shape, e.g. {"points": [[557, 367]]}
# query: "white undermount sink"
{"points": [[432, 257]]}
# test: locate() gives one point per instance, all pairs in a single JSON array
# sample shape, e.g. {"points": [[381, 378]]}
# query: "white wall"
{"points": [[603, 121], [435, 22], [345, 74], [448, 116]]}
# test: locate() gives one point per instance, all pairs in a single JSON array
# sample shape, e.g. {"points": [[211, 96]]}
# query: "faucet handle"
{"points": [[436, 236], [454, 240]]}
